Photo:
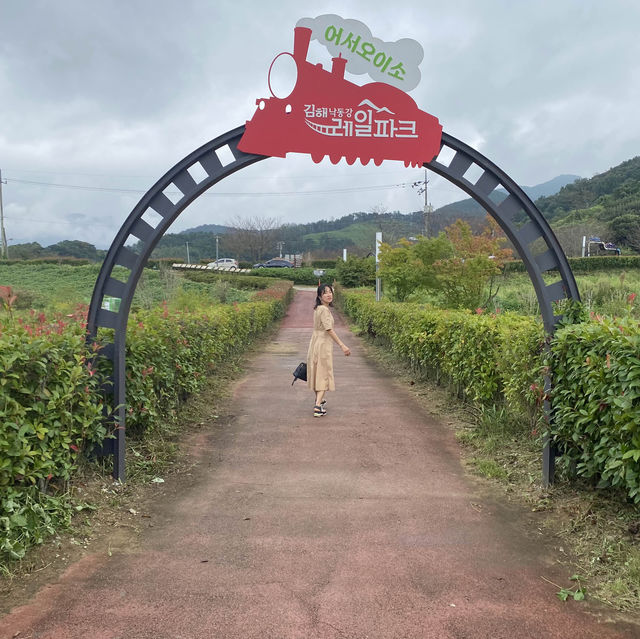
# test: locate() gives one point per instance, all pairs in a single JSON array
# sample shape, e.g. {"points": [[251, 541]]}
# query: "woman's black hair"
{"points": [[319, 293]]}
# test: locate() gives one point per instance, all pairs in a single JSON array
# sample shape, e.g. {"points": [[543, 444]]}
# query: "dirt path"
{"points": [[358, 524]]}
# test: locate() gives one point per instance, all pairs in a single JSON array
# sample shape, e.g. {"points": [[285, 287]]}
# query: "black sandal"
{"points": [[318, 411]]}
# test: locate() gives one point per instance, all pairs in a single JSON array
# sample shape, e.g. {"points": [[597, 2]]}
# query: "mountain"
{"points": [[608, 205], [355, 231], [66, 248], [216, 229], [550, 187], [605, 196], [470, 208]]}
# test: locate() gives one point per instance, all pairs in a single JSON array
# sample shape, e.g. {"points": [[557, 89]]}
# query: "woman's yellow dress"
{"points": [[320, 354]]}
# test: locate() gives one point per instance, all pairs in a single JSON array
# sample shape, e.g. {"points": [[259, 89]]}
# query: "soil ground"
{"points": [[358, 524]]}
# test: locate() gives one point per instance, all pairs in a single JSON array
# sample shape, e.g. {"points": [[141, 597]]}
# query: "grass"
{"points": [[50, 286], [603, 293], [488, 468], [60, 288]]}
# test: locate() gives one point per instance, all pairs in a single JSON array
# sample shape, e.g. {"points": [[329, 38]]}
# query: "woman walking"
{"points": [[320, 355]]}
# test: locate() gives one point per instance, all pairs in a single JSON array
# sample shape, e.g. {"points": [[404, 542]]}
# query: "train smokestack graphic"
{"points": [[301, 40], [326, 115], [339, 65]]}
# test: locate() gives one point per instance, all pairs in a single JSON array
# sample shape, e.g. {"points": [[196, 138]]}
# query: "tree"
{"points": [[356, 271], [410, 266], [253, 237], [476, 260], [74, 248], [625, 229], [570, 236], [27, 251]]}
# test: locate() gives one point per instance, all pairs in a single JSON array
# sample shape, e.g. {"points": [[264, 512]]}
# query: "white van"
{"points": [[224, 263]]}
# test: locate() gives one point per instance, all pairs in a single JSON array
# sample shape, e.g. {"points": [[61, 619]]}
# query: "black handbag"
{"points": [[300, 373]]}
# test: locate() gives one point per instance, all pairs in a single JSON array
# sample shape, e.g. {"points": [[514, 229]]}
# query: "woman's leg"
{"points": [[318, 410]]}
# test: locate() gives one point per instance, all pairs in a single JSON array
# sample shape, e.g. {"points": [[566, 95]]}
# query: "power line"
{"points": [[356, 189], [49, 221], [254, 177]]}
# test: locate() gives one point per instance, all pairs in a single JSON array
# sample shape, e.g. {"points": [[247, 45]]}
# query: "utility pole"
{"points": [[280, 245], [3, 235], [217, 238], [426, 205], [378, 280], [188, 260], [428, 209]]}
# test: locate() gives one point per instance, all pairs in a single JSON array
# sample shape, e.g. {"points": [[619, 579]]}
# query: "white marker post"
{"points": [[378, 280]]}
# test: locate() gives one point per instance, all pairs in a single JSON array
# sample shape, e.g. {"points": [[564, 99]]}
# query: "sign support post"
{"points": [[378, 280]]}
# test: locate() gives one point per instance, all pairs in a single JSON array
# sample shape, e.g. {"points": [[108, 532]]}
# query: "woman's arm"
{"points": [[336, 339]]}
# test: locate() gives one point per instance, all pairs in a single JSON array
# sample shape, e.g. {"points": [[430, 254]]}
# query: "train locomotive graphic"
{"points": [[325, 114]]}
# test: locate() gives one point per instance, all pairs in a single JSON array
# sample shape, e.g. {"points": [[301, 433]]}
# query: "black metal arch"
{"points": [[156, 211]]}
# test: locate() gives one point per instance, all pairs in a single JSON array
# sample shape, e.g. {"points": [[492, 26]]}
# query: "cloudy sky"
{"points": [[98, 99]]}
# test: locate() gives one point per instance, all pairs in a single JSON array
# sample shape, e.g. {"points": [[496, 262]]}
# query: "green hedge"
{"points": [[482, 357], [596, 400], [595, 369], [51, 405], [50, 409], [69, 261], [169, 354], [303, 276], [246, 280], [588, 264], [157, 263]]}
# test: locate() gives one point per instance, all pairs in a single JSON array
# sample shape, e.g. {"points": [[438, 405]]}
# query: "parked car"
{"points": [[226, 263], [276, 262]]}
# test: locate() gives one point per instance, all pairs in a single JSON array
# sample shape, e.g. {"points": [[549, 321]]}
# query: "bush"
{"points": [[157, 263], [588, 264], [244, 280], [325, 263], [357, 272], [170, 353], [483, 357], [303, 276], [50, 410], [596, 400], [500, 359], [51, 406]]}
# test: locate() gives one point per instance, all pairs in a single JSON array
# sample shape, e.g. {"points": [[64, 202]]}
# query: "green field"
{"points": [[362, 234], [53, 287], [605, 293]]}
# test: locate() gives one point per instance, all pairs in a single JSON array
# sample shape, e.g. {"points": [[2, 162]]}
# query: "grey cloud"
{"points": [[112, 94], [405, 51]]}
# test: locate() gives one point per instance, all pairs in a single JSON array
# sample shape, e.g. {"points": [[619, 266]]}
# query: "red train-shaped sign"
{"points": [[328, 115]]}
